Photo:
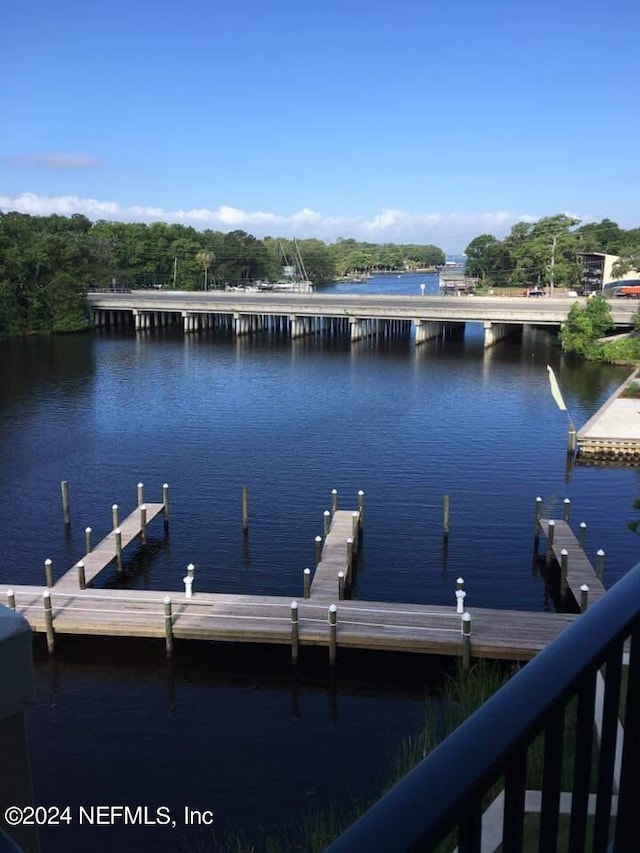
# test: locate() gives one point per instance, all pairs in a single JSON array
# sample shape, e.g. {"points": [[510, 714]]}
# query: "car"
{"points": [[535, 291]]}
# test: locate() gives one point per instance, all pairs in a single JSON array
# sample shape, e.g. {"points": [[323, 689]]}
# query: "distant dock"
{"points": [[614, 431]]}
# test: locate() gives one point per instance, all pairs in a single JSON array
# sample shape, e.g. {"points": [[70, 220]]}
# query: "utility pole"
{"points": [[553, 263], [175, 272]]}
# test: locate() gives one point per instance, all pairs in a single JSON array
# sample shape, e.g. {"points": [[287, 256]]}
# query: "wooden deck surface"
{"points": [[579, 569], [334, 557], [497, 634], [104, 552]]}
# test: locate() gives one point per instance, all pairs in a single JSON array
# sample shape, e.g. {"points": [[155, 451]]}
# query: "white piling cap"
{"points": [[552, 523], [564, 553], [583, 524], [318, 539], [459, 580], [326, 512], [167, 599], [87, 530], [349, 540], [10, 592], [584, 588], [333, 608], [340, 574], [539, 498], [47, 562], [294, 605], [600, 552], [80, 564], [191, 567], [567, 500], [114, 506], [140, 485], [360, 492], [334, 491], [117, 531], [165, 485], [466, 617], [143, 506], [307, 572], [46, 594]]}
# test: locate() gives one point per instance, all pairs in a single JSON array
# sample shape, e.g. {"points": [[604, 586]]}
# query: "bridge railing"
{"points": [[448, 790]]}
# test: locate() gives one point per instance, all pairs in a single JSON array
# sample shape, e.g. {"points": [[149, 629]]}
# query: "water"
{"points": [[227, 730]]}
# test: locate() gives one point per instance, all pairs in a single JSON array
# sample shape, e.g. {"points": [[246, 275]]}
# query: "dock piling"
{"points": [[460, 595], [340, 586], [538, 513], [115, 516], [571, 445], [66, 513], [168, 625], [82, 580], [245, 508], [307, 583], [582, 534], [327, 522], [48, 573], [140, 494], [584, 598], [567, 509], [295, 635], [361, 507], [118, 533], [48, 621], [88, 547], [318, 546], [350, 552], [466, 640], [143, 523], [334, 501], [355, 529], [550, 531], [333, 630], [11, 599], [445, 519], [564, 572], [600, 563], [165, 511]]}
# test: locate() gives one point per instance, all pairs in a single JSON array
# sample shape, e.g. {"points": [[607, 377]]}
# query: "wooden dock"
{"points": [[70, 606], [580, 572]]}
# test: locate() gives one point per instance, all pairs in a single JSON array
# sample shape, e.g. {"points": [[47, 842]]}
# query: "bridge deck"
{"points": [[579, 569]]}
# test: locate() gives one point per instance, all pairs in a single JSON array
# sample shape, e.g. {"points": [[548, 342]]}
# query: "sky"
{"points": [[405, 121]]}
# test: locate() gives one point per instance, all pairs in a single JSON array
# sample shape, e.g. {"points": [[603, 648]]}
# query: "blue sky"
{"points": [[405, 121]]}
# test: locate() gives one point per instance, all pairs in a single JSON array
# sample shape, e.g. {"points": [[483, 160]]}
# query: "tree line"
{"points": [[49, 263], [545, 252]]}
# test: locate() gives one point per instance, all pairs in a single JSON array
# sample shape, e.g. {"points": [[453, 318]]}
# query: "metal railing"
{"points": [[448, 789]]}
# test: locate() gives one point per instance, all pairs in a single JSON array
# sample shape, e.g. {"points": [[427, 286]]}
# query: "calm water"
{"points": [[228, 731]]}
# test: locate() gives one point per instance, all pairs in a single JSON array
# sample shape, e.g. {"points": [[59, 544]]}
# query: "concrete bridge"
{"points": [[356, 316]]}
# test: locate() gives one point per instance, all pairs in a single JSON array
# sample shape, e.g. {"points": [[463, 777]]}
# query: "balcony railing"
{"points": [[448, 789]]}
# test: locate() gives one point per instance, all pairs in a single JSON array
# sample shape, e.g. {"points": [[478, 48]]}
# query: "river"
{"points": [[225, 729]]}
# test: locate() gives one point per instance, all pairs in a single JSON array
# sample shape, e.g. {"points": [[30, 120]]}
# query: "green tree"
{"points": [[586, 325]]}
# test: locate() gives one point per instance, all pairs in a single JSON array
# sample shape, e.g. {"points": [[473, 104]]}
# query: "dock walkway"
{"points": [[614, 431], [66, 607], [579, 570]]}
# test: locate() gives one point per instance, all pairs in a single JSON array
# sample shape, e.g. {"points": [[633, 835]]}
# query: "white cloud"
{"points": [[54, 161], [452, 231]]}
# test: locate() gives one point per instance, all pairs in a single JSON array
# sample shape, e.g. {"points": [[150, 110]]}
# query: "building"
{"points": [[597, 270]]}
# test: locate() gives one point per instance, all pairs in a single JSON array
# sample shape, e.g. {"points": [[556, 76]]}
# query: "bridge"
{"points": [[356, 316]]}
